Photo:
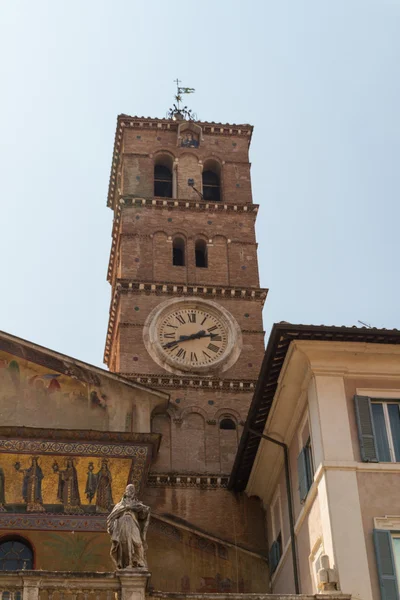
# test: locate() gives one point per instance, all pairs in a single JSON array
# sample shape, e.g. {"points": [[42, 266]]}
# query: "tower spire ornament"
{"points": [[178, 112]]}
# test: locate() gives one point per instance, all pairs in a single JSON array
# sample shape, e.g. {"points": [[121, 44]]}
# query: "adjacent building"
{"points": [[330, 397]]}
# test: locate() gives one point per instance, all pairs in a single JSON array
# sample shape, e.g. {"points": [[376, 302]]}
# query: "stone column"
{"points": [[133, 583], [31, 587]]}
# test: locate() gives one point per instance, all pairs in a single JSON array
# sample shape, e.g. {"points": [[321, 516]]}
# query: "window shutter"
{"points": [[366, 432], [386, 566], [302, 474]]}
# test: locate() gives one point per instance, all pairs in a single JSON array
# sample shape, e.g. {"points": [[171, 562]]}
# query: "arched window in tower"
{"points": [[163, 176], [227, 423], [16, 554], [178, 252], [201, 254], [211, 181]]}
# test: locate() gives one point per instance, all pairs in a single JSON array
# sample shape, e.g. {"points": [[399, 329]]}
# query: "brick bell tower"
{"points": [[186, 304]]}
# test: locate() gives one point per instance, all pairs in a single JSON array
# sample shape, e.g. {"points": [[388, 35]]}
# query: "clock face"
{"points": [[192, 336]]}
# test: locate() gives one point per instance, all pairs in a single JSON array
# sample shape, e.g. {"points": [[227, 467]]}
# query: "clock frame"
{"points": [[192, 335]]}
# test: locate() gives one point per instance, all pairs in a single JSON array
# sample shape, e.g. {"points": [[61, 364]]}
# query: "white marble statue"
{"points": [[127, 525]]}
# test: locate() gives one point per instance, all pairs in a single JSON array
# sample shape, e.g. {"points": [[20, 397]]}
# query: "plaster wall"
{"points": [[179, 560], [234, 518]]}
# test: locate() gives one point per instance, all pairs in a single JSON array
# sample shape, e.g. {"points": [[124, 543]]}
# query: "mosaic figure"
{"points": [[127, 525], [100, 484], [2, 491], [68, 490], [189, 140], [32, 485]]}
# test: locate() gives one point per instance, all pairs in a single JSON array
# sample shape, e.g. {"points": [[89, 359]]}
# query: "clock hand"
{"points": [[193, 336]]}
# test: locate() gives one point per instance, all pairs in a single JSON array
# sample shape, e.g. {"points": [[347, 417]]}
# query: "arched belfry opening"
{"points": [[178, 252], [201, 254], [211, 180], [163, 175]]}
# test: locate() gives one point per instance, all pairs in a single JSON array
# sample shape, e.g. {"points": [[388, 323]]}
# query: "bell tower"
{"points": [[186, 305]]}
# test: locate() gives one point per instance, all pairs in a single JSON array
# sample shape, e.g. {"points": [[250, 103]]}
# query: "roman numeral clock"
{"points": [[192, 335]]}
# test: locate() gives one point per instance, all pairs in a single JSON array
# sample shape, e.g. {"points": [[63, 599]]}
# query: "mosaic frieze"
{"points": [[87, 481]]}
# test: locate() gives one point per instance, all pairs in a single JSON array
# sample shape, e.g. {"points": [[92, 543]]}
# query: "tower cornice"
{"points": [[126, 286], [169, 381]]}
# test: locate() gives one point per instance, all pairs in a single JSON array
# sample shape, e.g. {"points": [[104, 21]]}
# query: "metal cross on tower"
{"points": [[178, 112]]}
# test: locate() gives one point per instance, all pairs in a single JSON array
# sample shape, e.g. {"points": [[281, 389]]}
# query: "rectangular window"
{"points": [[305, 469], [277, 545], [387, 549], [378, 422], [396, 554], [386, 419]]}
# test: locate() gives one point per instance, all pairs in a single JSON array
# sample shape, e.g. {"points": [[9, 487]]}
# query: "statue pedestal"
{"points": [[133, 583]]}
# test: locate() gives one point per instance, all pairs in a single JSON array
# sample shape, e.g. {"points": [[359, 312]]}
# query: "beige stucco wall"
{"points": [[379, 496], [322, 378]]}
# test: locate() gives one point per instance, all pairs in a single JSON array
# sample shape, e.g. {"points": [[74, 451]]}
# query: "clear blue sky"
{"points": [[320, 82]]}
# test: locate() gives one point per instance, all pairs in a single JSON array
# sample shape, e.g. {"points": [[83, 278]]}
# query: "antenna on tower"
{"points": [[178, 112], [365, 324]]}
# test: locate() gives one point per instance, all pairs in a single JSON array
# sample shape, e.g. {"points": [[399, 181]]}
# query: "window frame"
{"points": [[277, 532], [385, 402], [368, 440], [396, 535], [306, 448], [24, 542]]}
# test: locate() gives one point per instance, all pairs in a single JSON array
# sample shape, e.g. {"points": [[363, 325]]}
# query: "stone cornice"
{"points": [[124, 286], [193, 480], [147, 123], [170, 381], [126, 202]]}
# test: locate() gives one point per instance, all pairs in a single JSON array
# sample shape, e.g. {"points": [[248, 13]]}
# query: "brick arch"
{"points": [[181, 233], [190, 153], [161, 151], [214, 158], [192, 435], [194, 409], [228, 412], [228, 439], [218, 236], [161, 423], [201, 236], [160, 231]]}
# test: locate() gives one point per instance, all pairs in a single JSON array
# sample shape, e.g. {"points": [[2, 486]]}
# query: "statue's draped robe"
{"points": [[104, 498], [127, 524], [101, 484], [32, 485], [68, 490], [2, 487]]}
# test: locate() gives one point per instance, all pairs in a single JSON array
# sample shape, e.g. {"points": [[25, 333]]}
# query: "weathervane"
{"points": [[181, 112]]}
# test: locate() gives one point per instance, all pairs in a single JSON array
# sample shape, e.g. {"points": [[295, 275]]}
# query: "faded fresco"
{"points": [[29, 381]]}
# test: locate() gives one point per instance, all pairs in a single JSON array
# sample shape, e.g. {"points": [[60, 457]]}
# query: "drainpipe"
{"points": [[289, 501]]}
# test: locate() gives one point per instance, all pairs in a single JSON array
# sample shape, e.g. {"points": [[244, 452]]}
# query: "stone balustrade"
{"points": [[121, 585]]}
